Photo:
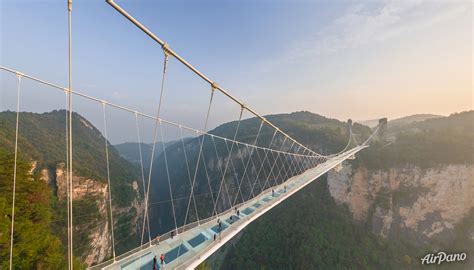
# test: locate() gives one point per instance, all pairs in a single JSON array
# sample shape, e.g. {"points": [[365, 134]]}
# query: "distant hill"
{"points": [[400, 121], [441, 140], [131, 152], [413, 118]]}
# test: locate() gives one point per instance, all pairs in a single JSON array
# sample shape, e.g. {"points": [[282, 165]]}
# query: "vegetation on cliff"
{"points": [[35, 246]]}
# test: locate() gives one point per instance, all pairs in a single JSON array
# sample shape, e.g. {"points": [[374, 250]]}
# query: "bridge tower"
{"points": [[383, 129]]}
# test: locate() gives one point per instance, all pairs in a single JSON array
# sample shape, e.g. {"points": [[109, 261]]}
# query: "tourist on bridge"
{"points": [[273, 192], [154, 263], [162, 259], [238, 212]]}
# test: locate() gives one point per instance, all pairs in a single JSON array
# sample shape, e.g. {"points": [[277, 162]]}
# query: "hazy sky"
{"points": [[342, 59]]}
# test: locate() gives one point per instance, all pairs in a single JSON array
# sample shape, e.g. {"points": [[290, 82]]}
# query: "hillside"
{"points": [[42, 145], [402, 120], [318, 132], [427, 143], [130, 151], [413, 118], [396, 202]]}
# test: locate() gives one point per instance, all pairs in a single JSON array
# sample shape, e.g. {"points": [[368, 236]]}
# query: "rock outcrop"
{"points": [[420, 204]]}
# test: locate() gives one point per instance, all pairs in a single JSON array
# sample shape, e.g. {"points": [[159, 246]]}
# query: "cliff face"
{"points": [[98, 231], [418, 204]]}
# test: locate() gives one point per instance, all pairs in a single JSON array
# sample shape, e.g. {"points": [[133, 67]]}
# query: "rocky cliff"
{"points": [[96, 231], [419, 204]]}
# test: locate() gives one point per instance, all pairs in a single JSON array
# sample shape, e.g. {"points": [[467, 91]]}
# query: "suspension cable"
{"points": [[234, 175], [71, 232], [143, 182], [67, 172], [264, 159], [200, 152], [274, 163], [168, 176], [222, 175], [108, 181], [14, 169], [264, 172], [197, 72], [207, 177], [284, 165], [154, 118], [189, 171], [248, 161], [230, 155], [155, 131]]}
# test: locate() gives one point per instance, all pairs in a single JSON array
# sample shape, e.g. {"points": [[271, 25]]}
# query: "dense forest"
{"points": [[36, 247]]}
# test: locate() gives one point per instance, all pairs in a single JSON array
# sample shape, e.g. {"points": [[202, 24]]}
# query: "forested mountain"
{"points": [[446, 140], [412, 119], [131, 152], [42, 153], [318, 132], [400, 199], [377, 212]]}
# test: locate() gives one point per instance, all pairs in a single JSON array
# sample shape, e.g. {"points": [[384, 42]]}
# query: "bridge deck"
{"points": [[190, 248]]}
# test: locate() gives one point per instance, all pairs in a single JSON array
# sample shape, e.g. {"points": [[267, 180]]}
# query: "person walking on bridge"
{"points": [[154, 263], [162, 259]]}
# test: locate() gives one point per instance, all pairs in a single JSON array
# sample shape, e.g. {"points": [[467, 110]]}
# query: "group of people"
{"points": [[219, 229], [237, 211]]}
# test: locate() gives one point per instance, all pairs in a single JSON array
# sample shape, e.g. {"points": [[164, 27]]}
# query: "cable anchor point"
{"points": [[214, 86], [166, 49]]}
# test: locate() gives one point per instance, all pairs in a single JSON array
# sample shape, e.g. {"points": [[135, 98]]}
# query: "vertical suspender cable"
{"points": [[67, 172], [199, 154], [274, 163], [284, 163], [165, 64], [230, 156], [14, 171], [168, 175], [263, 163], [232, 165], [222, 173], [108, 181], [248, 161], [70, 229], [143, 182], [189, 171]]}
